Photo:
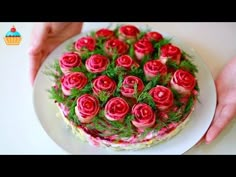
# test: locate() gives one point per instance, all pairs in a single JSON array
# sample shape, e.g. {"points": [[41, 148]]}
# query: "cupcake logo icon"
{"points": [[12, 37]]}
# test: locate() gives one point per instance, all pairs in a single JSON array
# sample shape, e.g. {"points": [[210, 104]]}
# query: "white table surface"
{"points": [[22, 133]]}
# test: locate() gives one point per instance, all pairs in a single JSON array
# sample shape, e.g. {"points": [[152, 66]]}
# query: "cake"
{"points": [[12, 37], [124, 88]]}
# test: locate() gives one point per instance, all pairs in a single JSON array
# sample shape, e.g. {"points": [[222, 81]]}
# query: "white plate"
{"points": [[197, 126]]}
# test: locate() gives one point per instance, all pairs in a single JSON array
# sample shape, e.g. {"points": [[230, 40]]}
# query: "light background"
{"points": [[20, 130]]}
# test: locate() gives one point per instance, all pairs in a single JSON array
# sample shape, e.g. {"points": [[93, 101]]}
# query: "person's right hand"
{"points": [[226, 106], [45, 38]]}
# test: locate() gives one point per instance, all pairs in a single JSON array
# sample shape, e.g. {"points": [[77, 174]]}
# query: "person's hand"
{"points": [[226, 106], [46, 37]]}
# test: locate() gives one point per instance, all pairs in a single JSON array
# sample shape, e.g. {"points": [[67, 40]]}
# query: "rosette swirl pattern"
{"points": [[87, 108], [85, 44], [154, 67], [183, 82], [124, 61], [128, 86], [144, 116], [153, 36], [105, 84], [142, 48], [96, 63], [128, 32], [116, 109], [69, 61], [162, 96], [115, 46], [75, 80], [170, 51], [104, 33]]}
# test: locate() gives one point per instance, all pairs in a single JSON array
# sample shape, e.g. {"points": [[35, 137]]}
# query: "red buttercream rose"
{"points": [[153, 36], [142, 48], [104, 83], [85, 44], [113, 46], [73, 80], [162, 96], [170, 51], [183, 82], [124, 61], [87, 108], [96, 63], [104, 33], [154, 67], [128, 32], [127, 88], [144, 116], [69, 61], [116, 109]]}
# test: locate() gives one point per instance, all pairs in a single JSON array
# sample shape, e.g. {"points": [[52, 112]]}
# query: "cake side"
{"points": [[147, 141]]}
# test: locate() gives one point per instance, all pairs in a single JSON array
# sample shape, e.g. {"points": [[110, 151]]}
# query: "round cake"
{"points": [[124, 88]]}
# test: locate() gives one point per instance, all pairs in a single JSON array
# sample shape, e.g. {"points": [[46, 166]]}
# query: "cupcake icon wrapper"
{"points": [[12, 37]]}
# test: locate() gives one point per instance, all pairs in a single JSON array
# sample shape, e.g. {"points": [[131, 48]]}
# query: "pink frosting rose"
{"points": [[127, 88], [104, 83], [183, 82], [68, 61], [128, 32], [96, 63], [85, 44], [153, 36], [142, 48], [115, 45], [87, 108], [162, 96], [73, 80], [104, 33], [116, 109], [170, 51], [124, 61], [154, 67], [144, 116]]}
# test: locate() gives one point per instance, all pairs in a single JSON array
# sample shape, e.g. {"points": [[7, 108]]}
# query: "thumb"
{"points": [[224, 114]]}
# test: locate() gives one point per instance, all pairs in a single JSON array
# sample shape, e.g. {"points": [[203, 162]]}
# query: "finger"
{"points": [[34, 66], [201, 140], [224, 114], [35, 63], [38, 36], [35, 51]]}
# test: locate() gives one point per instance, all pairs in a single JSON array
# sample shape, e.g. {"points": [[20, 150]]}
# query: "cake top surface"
{"points": [[122, 84]]}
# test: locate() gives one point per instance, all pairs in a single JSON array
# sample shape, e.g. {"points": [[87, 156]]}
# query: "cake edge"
{"points": [[97, 142]]}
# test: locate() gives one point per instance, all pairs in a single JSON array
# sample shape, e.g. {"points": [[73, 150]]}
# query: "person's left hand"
{"points": [[46, 37]]}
